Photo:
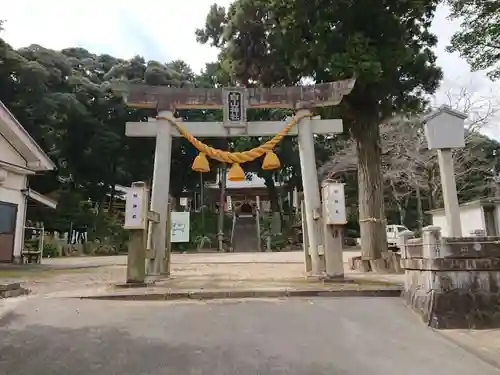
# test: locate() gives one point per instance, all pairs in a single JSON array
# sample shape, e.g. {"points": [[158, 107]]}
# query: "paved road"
{"points": [[349, 336]]}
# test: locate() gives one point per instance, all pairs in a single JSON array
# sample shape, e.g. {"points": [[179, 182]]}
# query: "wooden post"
{"points": [[334, 218], [334, 262], [137, 219], [136, 257], [450, 198], [305, 238], [257, 218], [444, 131]]}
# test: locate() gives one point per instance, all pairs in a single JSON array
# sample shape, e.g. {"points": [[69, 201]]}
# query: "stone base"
{"points": [[9, 290], [389, 263], [358, 264], [338, 279], [448, 296]]}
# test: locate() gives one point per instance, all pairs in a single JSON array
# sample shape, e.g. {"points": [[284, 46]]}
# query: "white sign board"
{"points": [[444, 128], [334, 203], [136, 208], [180, 227]]}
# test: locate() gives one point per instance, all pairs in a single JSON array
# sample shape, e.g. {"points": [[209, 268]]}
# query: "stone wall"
{"points": [[453, 282]]}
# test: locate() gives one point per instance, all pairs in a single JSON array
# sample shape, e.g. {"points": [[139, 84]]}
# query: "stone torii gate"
{"points": [[234, 102]]}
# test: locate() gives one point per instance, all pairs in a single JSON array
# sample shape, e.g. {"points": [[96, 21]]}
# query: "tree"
{"points": [[387, 47], [479, 38]]}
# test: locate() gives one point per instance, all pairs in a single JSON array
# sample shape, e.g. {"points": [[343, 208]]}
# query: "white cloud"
{"points": [[164, 30], [156, 29]]}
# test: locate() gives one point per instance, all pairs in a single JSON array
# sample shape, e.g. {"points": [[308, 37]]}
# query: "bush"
{"points": [[278, 242], [108, 233], [50, 250]]}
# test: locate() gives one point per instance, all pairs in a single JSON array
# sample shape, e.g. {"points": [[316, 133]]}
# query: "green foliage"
{"points": [[385, 46], [49, 250], [63, 100], [109, 230], [479, 38], [278, 242]]}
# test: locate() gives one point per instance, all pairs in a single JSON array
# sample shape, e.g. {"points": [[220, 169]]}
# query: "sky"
{"points": [[163, 31]]}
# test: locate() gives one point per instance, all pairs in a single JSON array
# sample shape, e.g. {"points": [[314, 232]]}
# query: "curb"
{"points": [[489, 359], [240, 294]]}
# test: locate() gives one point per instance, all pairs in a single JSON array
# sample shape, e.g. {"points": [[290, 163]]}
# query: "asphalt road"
{"points": [[347, 336]]}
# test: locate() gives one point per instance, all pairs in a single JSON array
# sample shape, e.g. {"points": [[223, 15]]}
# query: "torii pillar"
{"points": [[166, 100]]}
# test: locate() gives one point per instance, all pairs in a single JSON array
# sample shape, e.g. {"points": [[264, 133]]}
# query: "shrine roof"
{"points": [[253, 182]]}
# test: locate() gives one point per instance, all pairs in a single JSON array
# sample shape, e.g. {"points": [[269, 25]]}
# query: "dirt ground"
{"points": [[187, 270]]}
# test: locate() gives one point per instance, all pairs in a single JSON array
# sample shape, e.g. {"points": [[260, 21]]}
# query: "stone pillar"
{"points": [[403, 240], [312, 202], [450, 197], [160, 192], [431, 242]]}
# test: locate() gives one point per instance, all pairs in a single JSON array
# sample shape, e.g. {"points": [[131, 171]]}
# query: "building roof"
{"points": [[252, 182], [476, 202], [444, 109], [36, 159], [40, 198]]}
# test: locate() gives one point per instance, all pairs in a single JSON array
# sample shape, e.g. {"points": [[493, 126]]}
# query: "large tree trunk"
{"points": [[371, 193]]}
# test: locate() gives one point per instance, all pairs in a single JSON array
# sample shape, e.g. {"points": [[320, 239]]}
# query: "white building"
{"points": [[20, 157], [477, 216]]}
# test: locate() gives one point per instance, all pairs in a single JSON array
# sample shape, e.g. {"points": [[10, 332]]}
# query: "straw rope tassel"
{"points": [[271, 161]]}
